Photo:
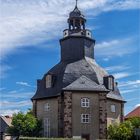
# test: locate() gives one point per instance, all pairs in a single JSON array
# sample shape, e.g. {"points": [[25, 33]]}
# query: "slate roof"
{"points": [[76, 13], [85, 84], [68, 72]]}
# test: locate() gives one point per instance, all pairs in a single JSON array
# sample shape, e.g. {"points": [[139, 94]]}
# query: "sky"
{"points": [[29, 45]]}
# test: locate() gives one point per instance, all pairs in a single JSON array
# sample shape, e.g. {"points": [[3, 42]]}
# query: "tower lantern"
{"points": [[76, 23]]}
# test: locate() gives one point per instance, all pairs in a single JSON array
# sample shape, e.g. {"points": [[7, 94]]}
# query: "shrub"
{"points": [[125, 130], [33, 138]]}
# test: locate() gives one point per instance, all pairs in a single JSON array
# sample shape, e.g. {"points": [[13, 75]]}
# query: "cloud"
{"points": [[110, 48], [15, 104], [117, 68], [24, 23], [2, 88], [134, 84], [17, 94], [3, 70], [130, 87], [128, 91], [9, 112], [137, 105], [121, 75], [23, 84]]}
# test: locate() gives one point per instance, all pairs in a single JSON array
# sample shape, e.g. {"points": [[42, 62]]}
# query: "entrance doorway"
{"points": [[86, 136]]}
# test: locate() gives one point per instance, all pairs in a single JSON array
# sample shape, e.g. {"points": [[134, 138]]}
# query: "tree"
{"points": [[125, 130], [25, 125]]}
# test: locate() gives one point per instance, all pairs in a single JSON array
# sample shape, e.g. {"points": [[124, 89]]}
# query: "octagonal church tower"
{"points": [[77, 98]]}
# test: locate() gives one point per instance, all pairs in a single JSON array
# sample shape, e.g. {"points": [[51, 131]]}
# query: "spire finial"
{"points": [[76, 3]]}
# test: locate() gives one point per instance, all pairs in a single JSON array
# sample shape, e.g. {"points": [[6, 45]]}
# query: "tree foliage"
{"points": [[125, 130], [25, 125]]}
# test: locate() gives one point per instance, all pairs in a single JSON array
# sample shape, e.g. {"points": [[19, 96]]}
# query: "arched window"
{"points": [[85, 102], [46, 107]]}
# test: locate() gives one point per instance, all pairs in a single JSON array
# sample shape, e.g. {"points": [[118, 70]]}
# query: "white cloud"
{"points": [[3, 70], [128, 91], [17, 94], [15, 104], [23, 84], [24, 23], [137, 105], [117, 68], [9, 112], [110, 48], [134, 84], [121, 75]]}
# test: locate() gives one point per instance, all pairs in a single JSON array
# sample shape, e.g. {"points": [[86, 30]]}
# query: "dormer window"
{"points": [[109, 82], [49, 81]]}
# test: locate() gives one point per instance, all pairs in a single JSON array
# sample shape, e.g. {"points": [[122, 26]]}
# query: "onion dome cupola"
{"points": [[76, 23]]}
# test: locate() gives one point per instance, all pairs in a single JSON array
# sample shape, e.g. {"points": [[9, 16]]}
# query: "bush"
{"points": [[125, 130], [31, 138]]}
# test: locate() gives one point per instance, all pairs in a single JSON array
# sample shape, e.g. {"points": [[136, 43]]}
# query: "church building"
{"points": [[77, 98]]}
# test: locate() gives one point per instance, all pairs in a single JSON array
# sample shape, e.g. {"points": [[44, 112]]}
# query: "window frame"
{"points": [[85, 118], [113, 108], [47, 108], [85, 102], [48, 81], [46, 127]]}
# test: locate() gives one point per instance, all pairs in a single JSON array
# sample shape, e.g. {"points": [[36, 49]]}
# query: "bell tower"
{"points": [[77, 41]]}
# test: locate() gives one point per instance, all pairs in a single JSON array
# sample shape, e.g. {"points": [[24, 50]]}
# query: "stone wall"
{"points": [[117, 116], [52, 114], [68, 114], [60, 115], [79, 128], [102, 116]]}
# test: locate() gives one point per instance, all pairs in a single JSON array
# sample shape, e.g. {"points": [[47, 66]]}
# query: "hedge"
{"points": [[31, 138]]}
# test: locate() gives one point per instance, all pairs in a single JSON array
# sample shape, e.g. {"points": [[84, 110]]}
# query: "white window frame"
{"points": [[46, 107], [49, 81], [85, 102], [47, 127], [113, 108], [85, 118], [110, 83]]}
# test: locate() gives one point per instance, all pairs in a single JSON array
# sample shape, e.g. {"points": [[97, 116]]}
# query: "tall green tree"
{"points": [[25, 125]]}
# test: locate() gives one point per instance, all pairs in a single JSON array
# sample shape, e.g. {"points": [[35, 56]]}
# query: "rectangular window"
{"points": [[46, 127], [113, 108], [85, 102], [85, 118], [48, 81], [46, 107]]}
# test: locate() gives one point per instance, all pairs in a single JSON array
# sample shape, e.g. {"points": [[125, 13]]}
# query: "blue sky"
{"points": [[29, 45]]}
